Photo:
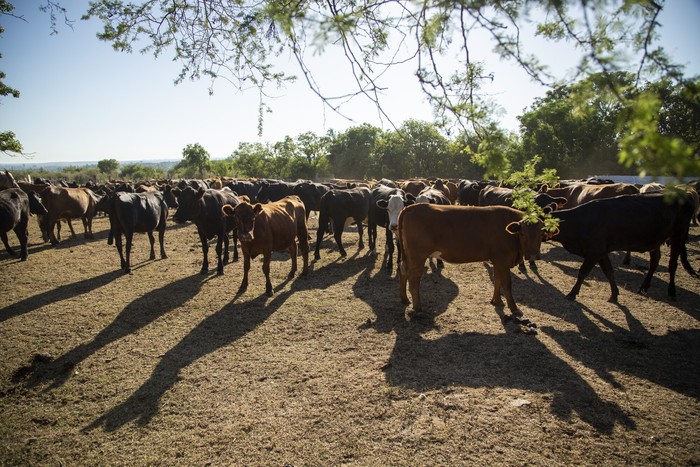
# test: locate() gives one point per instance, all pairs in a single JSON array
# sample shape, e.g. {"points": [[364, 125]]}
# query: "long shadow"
{"points": [[135, 316], [63, 292], [223, 328], [514, 361], [671, 360], [437, 292]]}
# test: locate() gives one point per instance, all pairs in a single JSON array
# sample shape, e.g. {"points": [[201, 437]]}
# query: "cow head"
{"points": [[190, 205], [530, 236], [263, 195], [170, 195], [394, 205], [244, 214], [35, 204]]}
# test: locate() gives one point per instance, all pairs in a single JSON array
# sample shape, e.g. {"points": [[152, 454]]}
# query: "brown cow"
{"points": [[67, 203], [413, 187], [465, 234], [264, 228]]}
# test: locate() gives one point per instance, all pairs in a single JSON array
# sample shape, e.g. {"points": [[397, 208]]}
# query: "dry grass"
{"points": [[165, 366]]}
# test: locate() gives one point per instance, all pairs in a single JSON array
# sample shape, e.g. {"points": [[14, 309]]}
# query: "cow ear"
{"points": [[257, 209], [227, 209], [244, 198], [410, 199], [513, 228], [382, 203]]}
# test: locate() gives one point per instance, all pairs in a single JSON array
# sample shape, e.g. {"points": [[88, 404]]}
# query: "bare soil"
{"points": [[167, 366]]}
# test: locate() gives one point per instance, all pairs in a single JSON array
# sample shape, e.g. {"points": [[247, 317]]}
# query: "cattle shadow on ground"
{"points": [[671, 360], [135, 316], [437, 293], [58, 294], [226, 326], [510, 360]]}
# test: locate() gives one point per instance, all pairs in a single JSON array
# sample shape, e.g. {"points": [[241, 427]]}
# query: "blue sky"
{"points": [[82, 101]]}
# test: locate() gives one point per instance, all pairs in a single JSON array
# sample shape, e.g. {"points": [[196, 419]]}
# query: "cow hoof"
{"points": [[204, 272], [23, 258], [219, 273], [127, 271], [317, 257], [343, 254], [268, 293], [517, 313], [521, 268], [163, 256], [152, 257], [571, 297], [497, 302], [612, 299]]}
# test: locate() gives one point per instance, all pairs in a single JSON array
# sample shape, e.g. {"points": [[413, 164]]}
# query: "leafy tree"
{"points": [[9, 144], [240, 40], [250, 160], [350, 152], [221, 168], [108, 166], [139, 172], [195, 161]]}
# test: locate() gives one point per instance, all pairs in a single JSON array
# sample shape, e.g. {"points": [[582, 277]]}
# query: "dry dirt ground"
{"points": [[166, 366]]}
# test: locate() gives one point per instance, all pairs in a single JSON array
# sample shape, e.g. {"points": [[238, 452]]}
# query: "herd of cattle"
{"points": [[456, 221]]}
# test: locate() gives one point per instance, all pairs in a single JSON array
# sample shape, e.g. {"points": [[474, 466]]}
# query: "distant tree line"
{"points": [[574, 130]]}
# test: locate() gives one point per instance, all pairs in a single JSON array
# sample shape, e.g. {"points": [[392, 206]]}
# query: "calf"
{"points": [[67, 203], [264, 228], [342, 207], [634, 223], [465, 234], [14, 215], [384, 208], [203, 207], [137, 212]]}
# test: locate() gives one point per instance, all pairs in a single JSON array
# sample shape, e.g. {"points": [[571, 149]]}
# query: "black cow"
{"points": [[629, 222], [14, 215], [384, 208], [310, 194], [203, 207], [244, 187], [274, 191], [469, 191], [137, 212], [501, 196], [338, 206], [432, 195]]}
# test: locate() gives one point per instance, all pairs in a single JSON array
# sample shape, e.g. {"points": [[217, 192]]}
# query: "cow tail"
{"points": [[403, 269]]}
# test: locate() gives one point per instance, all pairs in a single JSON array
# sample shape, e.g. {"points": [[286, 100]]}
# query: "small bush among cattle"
{"points": [[166, 366]]}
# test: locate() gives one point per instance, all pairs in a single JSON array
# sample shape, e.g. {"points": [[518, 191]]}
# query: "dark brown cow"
{"points": [[67, 203], [465, 234], [580, 193], [264, 228], [413, 187]]}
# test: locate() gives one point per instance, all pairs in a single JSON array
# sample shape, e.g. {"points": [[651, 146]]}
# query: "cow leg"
{"points": [[234, 234], [319, 238], [654, 257], [22, 236], [161, 240], [686, 263], [88, 227], [338, 228], [497, 284], [390, 250], [118, 243], [583, 272], [205, 253], [226, 245], [372, 235], [246, 268], [521, 266], [51, 227], [676, 248], [152, 241], [267, 255], [129, 241], [304, 247], [85, 228], [70, 226], [506, 286], [607, 268], [293, 254], [415, 273], [5, 241], [403, 281], [359, 231], [219, 254], [627, 259]]}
